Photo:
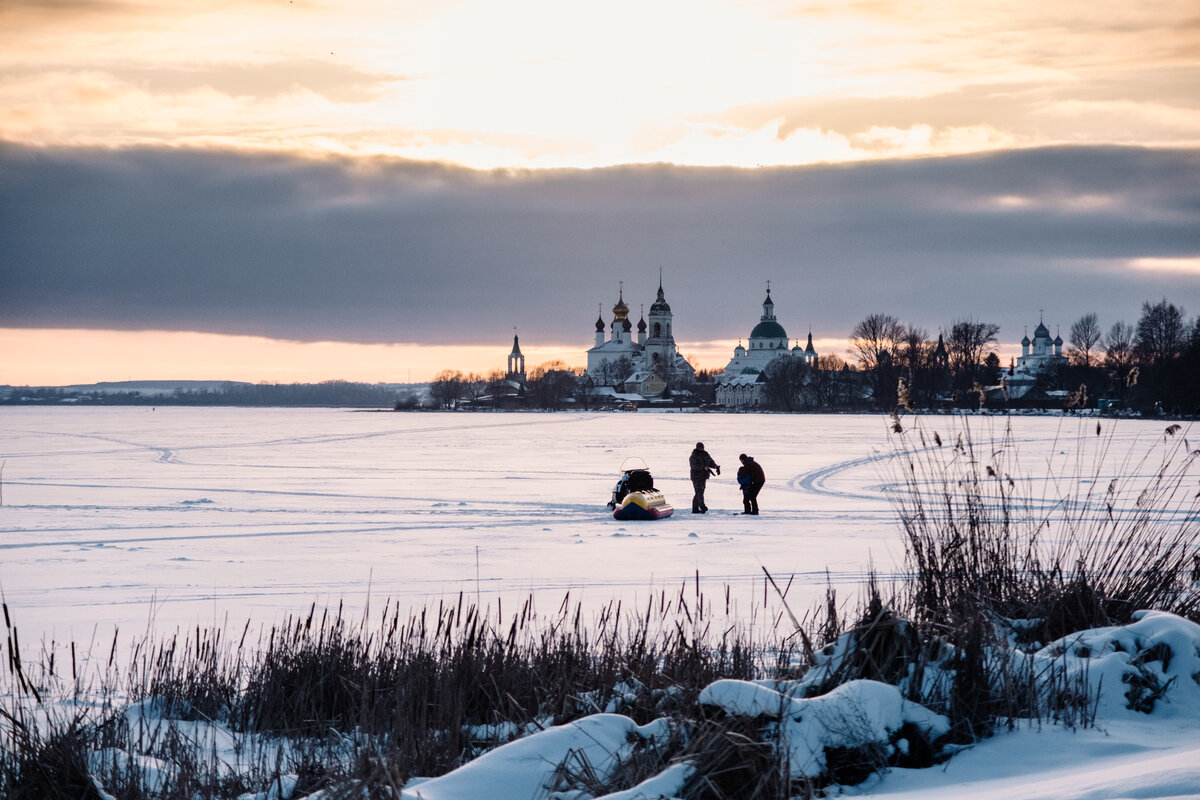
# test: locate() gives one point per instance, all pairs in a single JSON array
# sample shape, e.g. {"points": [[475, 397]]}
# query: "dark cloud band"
{"points": [[381, 251]]}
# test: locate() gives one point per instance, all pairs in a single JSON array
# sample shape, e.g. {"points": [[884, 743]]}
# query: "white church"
{"points": [[652, 355], [741, 384], [1039, 356]]}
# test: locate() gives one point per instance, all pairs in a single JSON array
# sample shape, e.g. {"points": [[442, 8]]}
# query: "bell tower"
{"points": [[516, 363]]}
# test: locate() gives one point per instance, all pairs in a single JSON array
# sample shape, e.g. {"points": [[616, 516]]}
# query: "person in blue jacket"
{"points": [[751, 478]]}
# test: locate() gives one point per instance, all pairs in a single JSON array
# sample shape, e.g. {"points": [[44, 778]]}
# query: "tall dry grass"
{"points": [[1087, 540]]}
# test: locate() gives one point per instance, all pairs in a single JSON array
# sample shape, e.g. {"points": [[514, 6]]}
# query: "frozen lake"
{"points": [[181, 516]]}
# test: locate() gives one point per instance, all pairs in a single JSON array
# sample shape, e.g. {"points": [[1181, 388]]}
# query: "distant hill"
{"points": [[152, 387], [228, 393]]}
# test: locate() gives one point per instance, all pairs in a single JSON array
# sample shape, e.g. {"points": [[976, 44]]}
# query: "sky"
{"points": [[377, 191]]}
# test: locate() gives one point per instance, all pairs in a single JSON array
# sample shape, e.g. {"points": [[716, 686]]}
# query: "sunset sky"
{"points": [[296, 190]]}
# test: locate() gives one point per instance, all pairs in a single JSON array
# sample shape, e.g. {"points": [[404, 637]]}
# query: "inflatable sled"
{"points": [[634, 496]]}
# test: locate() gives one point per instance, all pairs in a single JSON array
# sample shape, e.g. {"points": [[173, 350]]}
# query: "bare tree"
{"points": [[550, 384], [474, 385], [447, 387], [1085, 336], [1118, 348], [833, 382], [1161, 333], [968, 345], [785, 380], [915, 347], [875, 342], [876, 339]]}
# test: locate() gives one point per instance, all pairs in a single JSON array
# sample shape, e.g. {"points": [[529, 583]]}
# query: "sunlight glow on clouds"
{"points": [[1178, 266], [542, 83]]}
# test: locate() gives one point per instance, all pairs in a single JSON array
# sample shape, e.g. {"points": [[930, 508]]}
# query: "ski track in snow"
{"points": [[171, 509]]}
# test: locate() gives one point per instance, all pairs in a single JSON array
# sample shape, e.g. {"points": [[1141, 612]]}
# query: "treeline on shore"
{"points": [[1151, 367]]}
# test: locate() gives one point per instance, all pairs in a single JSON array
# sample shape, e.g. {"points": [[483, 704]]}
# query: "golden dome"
{"points": [[620, 310]]}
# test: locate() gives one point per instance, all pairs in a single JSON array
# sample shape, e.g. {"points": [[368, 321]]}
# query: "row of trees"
{"points": [[552, 385], [547, 386], [1153, 363]]}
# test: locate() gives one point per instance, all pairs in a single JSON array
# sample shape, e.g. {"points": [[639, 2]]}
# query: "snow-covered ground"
{"points": [[173, 517], [181, 515]]}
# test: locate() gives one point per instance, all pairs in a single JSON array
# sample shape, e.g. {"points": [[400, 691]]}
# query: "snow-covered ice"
{"points": [[182, 515], [175, 517]]}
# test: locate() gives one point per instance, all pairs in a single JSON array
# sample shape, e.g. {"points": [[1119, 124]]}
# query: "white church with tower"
{"points": [[649, 359], [768, 341], [741, 384]]}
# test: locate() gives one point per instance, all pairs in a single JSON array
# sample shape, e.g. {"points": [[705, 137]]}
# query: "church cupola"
{"points": [[768, 334], [641, 328], [620, 324], [600, 328]]}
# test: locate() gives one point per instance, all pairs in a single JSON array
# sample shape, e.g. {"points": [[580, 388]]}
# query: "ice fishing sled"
{"points": [[634, 496]]}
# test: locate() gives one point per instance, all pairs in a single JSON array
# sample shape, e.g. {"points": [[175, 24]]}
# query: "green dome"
{"points": [[768, 329]]}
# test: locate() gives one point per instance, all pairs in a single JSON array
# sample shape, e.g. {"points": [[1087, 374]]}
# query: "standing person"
{"points": [[751, 478], [701, 465]]}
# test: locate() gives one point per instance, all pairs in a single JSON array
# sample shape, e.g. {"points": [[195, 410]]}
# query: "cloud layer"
{"points": [[396, 251], [539, 83]]}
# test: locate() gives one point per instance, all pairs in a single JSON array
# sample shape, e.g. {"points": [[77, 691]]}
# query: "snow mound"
{"points": [[856, 715], [526, 767], [1151, 666]]}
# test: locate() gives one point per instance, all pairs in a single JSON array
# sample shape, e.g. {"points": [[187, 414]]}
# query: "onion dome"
{"points": [[621, 310], [1058, 342], [642, 325], [600, 324], [1025, 341], [626, 325], [768, 329], [1041, 331]]}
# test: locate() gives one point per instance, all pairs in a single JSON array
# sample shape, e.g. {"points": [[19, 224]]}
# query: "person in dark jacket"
{"points": [[701, 465], [751, 478]]}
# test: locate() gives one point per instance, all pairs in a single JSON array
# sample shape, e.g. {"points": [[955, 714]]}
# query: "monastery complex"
{"points": [[649, 362]]}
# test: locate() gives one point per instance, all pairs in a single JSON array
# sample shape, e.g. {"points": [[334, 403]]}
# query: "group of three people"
{"points": [[750, 478]]}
